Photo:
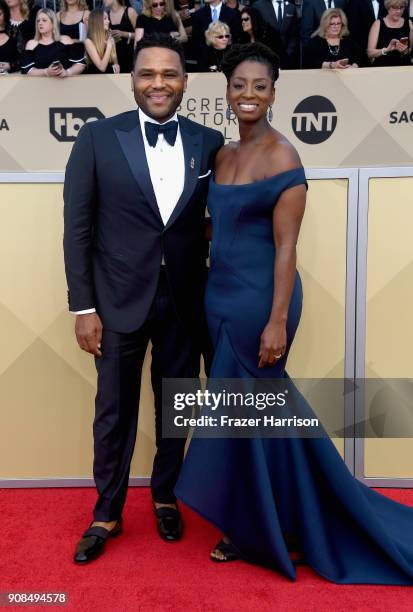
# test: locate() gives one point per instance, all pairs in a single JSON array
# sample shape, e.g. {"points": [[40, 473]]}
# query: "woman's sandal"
{"points": [[227, 550]]}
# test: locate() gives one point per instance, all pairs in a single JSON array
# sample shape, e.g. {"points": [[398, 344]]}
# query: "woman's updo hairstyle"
{"points": [[251, 52]]}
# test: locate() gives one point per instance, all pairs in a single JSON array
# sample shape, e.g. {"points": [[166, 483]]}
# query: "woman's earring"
{"points": [[270, 114], [228, 113]]}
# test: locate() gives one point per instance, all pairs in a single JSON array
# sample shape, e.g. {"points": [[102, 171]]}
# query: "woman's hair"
{"points": [[214, 29], [6, 11], [55, 24], [98, 35], [24, 8], [251, 52], [258, 24], [326, 17], [169, 10], [394, 3], [81, 4]]}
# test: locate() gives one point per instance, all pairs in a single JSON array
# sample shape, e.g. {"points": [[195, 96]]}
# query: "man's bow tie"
{"points": [[169, 130]]}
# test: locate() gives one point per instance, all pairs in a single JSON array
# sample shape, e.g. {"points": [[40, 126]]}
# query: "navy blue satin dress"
{"points": [[258, 490]]}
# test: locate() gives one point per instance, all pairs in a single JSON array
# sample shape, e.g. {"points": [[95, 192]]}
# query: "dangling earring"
{"points": [[270, 114], [228, 113]]}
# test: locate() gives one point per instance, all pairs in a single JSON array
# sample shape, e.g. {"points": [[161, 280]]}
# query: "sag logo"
{"points": [[314, 120], [65, 123]]}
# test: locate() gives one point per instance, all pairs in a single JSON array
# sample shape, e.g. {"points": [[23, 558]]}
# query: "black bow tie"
{"points": [[169, 130]]}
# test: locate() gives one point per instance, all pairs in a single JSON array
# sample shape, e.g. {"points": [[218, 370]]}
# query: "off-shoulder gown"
{"points": [[258, 490]]}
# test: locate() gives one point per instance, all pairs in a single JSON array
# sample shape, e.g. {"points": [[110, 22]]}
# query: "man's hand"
{"points": [[88, 330]]}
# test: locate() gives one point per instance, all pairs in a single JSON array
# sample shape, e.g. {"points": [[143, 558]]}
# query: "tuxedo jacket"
{"points": [[201, 20], [288, 30], [312, 12], [115, 239], [361, 17]]}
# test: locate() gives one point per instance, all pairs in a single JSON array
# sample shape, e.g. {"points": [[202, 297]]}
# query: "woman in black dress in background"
{"points": [[73, 16], [160, 16], [391, 38], [22, 24], [48, 53], [100, 45], [9, 59], [217, 38], [255, 29], [122, 23], [331, 46]]}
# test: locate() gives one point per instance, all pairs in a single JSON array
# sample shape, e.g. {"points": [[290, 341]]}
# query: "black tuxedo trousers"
{"points": [[175, 354]]}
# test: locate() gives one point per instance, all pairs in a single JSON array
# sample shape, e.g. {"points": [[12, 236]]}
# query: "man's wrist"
{"points": [[83, 312]]}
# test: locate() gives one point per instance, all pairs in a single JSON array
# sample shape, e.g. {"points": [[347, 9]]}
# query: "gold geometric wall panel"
{"points": [[389, 308]]}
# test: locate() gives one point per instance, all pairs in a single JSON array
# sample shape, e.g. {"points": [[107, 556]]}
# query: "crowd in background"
{"points": [[61, 38]]}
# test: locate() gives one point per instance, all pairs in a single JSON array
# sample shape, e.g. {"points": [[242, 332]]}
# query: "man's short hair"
{"points": [[163, 41]]}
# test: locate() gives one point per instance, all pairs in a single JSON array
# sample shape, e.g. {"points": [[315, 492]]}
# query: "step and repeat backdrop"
{"points": [[47, 385], [350, 118]]}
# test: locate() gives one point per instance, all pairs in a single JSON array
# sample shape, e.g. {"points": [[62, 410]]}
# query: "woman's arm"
{"points": [[182, 35], [372, 51], [287, 217], [139, 32], [100, 63], [132, 14]]}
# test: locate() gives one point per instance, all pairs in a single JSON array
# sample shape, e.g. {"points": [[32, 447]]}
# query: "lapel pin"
{"points": [[192, 164]]}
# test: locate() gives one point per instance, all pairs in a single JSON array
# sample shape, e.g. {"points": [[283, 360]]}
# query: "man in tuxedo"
{"points": [[135, 193], [213, 10], [282, 16], [312, 12], [361, 15]]}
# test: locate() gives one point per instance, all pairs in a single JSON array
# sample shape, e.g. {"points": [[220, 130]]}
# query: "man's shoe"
{"points": [[93, 541], [169, 523]]}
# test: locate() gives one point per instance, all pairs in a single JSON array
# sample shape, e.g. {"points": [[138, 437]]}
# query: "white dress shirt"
{"points": [[166, 168], [167, 171], [217, 8], [333, 4], [275, 5], [376, 7]]}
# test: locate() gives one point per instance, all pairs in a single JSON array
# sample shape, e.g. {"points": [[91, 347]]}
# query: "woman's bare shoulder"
{"points": [[283, 156], [31, 44], [226, 151]]}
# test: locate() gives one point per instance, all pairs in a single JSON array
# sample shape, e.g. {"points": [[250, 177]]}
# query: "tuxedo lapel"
{"points": [[192, 145], [131, 142]]}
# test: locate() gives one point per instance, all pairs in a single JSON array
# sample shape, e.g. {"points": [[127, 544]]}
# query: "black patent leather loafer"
{"points": [[93, 542], [169, 523]]}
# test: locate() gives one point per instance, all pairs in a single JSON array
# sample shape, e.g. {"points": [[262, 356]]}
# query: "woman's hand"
{"points": [[118, 34], [273, 344], [392, 45], [5, 67], [401, 48], [110, 43], [116, 69], [54, 70]]}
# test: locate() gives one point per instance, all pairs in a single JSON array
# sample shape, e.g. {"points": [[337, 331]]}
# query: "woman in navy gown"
{"points": [[270, 496]]}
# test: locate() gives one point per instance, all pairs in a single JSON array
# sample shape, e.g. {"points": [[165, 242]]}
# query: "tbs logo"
{"points": [[314, 120], [65, 123]]}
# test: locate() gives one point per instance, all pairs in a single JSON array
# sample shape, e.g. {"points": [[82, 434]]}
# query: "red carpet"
{"points": [[40, 528]]}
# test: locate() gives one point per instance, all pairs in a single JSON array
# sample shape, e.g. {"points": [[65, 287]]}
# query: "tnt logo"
{"points": [[65, 123], [314, 120]]}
